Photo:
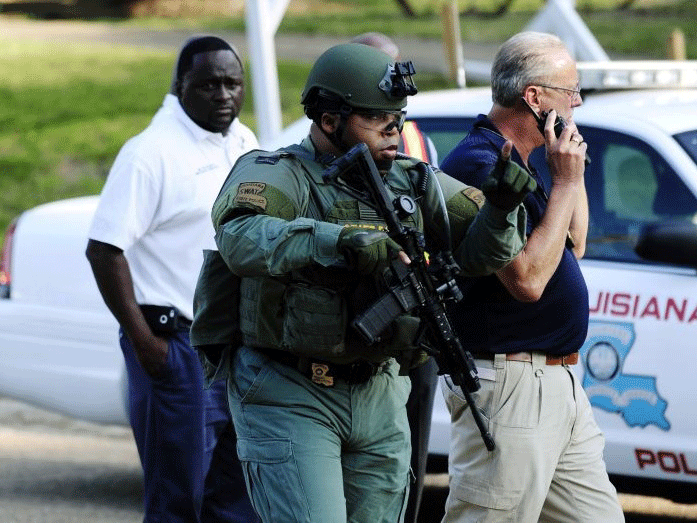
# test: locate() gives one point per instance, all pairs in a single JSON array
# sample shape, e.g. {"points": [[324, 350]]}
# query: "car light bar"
{"points": [[637, 74]]}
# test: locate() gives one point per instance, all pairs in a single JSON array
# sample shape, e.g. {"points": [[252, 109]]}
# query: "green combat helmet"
{"points": [[357, 77]]}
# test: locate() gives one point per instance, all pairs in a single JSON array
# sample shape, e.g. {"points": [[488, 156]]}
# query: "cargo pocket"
{"points": [[273, 479], [479, 498], [315, 321]]}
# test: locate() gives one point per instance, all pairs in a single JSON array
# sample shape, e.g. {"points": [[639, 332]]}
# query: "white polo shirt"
{"points": [[156, 203], [168, 104]]}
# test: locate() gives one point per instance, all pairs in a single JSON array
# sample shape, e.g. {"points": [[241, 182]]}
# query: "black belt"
{"points": [[183, 324], [164, 320], [324, 372]]}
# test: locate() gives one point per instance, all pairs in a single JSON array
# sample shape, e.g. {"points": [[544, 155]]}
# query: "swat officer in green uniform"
{"points": [[320, 415]]}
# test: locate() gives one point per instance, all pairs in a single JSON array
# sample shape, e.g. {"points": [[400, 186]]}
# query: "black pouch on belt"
{"points": [[161, 319]]}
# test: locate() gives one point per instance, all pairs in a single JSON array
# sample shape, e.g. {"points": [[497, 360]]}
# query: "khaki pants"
{"points": [[548, 461]]}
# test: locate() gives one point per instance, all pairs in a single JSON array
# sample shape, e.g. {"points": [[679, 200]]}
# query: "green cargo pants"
{"points": [[316, 454]]}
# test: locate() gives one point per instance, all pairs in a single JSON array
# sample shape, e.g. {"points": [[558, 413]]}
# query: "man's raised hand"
{"points": [[508, 183]]}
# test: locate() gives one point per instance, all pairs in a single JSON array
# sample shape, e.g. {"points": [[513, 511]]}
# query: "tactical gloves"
{"points": [[508, 184], [367, 250]]}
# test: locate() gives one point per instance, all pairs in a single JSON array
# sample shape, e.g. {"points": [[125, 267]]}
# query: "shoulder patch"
{"points": [[475, 195], [250, 193], [272, 159]]}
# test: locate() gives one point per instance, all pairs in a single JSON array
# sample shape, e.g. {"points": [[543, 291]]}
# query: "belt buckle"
{"points": [[354, 373], [320, 374]]}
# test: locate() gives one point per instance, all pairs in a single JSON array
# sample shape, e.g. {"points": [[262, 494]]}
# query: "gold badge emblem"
{"points": [[319, 375]]}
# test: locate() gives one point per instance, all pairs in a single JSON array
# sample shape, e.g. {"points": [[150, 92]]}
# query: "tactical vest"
{"points": [[308, 312]]}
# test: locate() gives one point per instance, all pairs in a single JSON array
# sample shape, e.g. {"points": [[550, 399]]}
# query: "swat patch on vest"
{"points": [[250, 193], [475, 195]]}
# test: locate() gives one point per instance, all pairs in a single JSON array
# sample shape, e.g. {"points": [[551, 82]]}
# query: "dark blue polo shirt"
{"points": [[489, 319]]}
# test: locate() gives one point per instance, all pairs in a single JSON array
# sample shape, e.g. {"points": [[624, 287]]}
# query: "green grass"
{"points": [[65, 113], [642, 32]]}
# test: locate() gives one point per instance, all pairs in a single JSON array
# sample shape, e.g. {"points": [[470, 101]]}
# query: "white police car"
{"points": [[639, 361]]}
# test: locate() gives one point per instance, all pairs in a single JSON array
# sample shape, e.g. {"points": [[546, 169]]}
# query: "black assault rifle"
{"points": [[423, 287]]}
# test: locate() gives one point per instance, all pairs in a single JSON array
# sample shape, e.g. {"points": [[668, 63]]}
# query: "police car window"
{"points": [[628, 185], [688, 140], [627, 182], [445, 133]]}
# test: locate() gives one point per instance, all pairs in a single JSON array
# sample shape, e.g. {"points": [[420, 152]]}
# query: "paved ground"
{"points": [[59, 470]]}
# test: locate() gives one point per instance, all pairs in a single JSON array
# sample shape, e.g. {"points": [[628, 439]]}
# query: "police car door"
{"points": [[638, 362]]}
